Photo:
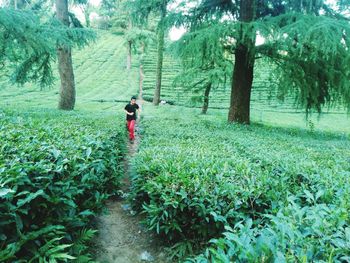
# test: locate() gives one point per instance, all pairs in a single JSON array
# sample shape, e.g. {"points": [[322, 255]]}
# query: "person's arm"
{"points": [[129, 113]]}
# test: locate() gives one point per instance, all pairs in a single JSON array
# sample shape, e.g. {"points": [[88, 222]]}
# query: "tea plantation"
{"points": [[248, 194], [57, 169], [275, 191], [56, 173]]}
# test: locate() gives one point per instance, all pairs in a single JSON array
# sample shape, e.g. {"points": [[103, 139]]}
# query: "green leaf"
{"points": [[4, 192], [88, 152], [29, 198]]}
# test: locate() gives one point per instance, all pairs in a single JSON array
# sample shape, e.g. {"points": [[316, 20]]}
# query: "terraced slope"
{"points": [[102, 81], [100, 75], [262, 95], [171, 67]]}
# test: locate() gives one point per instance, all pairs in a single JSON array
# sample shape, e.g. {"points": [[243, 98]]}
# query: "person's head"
{"points": [[133, 100]]}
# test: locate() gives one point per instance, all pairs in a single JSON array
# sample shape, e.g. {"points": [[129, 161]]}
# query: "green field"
{"points": [[100, 75], [271, 193], [62, 166], [265, 107], [275, 190]]}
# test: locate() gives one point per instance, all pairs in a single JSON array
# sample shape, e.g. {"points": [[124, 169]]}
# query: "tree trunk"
{"points": [[67, 89], [87, 17], [128, 58], [161, 29], [244, 66], [65, 67], [241, 87], [141, 71], [206, 99]]}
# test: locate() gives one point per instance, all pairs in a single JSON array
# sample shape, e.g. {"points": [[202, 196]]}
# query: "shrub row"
{"points": [[285, 191], [55, 173]]}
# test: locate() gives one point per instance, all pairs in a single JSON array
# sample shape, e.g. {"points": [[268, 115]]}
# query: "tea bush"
{"points": [[56, 171], [272, 193], [315, 233]]}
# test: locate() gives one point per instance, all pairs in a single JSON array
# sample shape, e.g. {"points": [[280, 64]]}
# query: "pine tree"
{"points": [[28, 44], [141, 9], [305, 39], [137, 36], [65, 65], [86, 8], [208, 67], [121, 24]]}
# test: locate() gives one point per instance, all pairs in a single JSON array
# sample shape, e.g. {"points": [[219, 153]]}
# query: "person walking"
{"points": [[130, 110]]}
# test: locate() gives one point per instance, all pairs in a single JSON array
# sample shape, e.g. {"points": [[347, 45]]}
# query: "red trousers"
{"points": [[131, 129]]}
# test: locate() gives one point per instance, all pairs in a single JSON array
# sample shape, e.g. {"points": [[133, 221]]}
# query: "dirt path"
{"points": [[122, 239]]}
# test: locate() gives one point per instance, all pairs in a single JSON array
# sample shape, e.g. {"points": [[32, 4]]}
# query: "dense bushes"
{"points": [[55, 173], [271, 193], [312, 233]]}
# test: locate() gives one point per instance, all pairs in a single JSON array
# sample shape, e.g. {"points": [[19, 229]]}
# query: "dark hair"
{"points": [[133, 97]]}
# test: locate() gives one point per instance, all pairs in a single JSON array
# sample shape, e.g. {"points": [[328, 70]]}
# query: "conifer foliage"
{"points": [[28, 44], [207, 68], [307, 40]]}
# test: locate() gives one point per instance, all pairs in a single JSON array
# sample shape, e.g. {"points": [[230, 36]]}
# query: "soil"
{"points": [[122, 238]]}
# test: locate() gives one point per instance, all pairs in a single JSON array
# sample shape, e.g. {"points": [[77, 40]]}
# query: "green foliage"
{"points": [[108, 7], [28, 44], [137, 37], [103, 86], [199, 178], [140, 10], [55, 174], [140, 37], [315, 232], [306, 40], [313, 63], [204, 60]]}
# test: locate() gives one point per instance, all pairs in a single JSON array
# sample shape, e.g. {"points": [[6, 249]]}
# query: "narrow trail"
{"points": [[122, 238]]}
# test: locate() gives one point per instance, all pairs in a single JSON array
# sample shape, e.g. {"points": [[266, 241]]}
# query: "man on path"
{"points": [[130, 110]]}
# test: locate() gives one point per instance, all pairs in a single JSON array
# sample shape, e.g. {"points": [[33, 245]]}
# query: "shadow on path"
{"points": [[122, 238]]}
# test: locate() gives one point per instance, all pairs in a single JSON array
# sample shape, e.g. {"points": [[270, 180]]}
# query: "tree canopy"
{"points": [[28, 44], [308, 41]]}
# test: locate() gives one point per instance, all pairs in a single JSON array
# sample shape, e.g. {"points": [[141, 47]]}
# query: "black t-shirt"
{"points": [[131, 108]]}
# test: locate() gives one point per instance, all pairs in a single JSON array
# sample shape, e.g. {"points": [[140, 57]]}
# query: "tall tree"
{"points": [[129, 47], [121, 24], [137, 36], [160, 53], [65, 65], [86, 8], [28, 44], [141, 9], [141, 41], [305, 39], [244, 65], [205, 62]]}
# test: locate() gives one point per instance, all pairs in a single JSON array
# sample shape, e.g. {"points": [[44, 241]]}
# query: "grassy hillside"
{"points": [[101, 78], [100, 75], [262, 96], [197, 177], [265, 107]]}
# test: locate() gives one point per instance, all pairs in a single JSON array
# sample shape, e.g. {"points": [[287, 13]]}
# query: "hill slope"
{"points": [[102, 81], [100, 75]]}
